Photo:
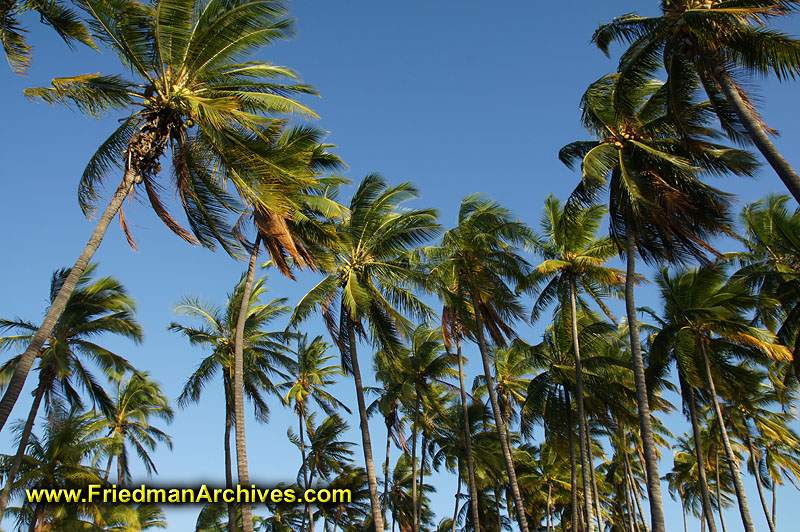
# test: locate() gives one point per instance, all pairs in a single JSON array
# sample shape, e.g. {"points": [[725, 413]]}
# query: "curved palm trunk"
{"points": [[499, 425], [582, 428], [719, 496], [781, 166], [573, 470], [45, 380], [238, 387], [414, 499], [701, 463], [366, 440], [17, 381], [759, 484], [643, 404], [473, 490], [227, 446], [741, 497]]}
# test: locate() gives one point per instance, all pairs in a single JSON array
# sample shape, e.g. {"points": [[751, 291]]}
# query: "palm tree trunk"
{"points": [[386, 470], [366, 440], [637, 498], [719, 496], [595, 491], [701, 462], [628, 498], [473, 490], [582, 429], [759, 485], [781, 166], [744, 509], [499, 425], [45, 380], [643, 404], [238, 386], [458, 494], [17, 381], [549, 507], [228, 465], [573, 473], [774, 502], [414, 500], [421, 479], [301, 428], [38, 514]]}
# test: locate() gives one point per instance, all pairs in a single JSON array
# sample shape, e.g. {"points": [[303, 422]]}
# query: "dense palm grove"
{"points": [[564, 432]]}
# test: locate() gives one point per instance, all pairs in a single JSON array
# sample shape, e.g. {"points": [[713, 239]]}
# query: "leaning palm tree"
{"points": [[708, 41], [96, 307], [658, 206], [263, 355], [574, 265], [189, 93], [481, 255], [366, 292], [63, 19], [704, 318], [137, 401]]}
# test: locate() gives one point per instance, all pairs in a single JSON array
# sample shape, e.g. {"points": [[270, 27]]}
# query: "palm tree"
{"points": [[97, 307], [705, 41], [704, 316], [311, 377], [573, 255], [480, 254], [190, 93], [369, 282], [657, 205], [263, 355], [57, 460], [64, 20], [137, 400]]}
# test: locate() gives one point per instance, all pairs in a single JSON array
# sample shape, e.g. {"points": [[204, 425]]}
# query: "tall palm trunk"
{"points": [[636, 497], [643, 403], [701, 462], [17, 381], [499, 425], [719, 496], [549, 507], [781, 166], [227, 446], [759, 484], [46, 376], [386, 470], [473, 490], [738, 486], [307, 514], [238, 386], [414, 500], [573, 468], [366, 440], [628, 499], [582, 428], [595, 491], [458, 494], [421, 479]]}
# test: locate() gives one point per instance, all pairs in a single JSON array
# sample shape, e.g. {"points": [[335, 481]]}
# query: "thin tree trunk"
{"points": [[774, 502], [307, 513], [365, 436], [386, 470], [778, 163], [683, 514], [500, 426], [549, 507], [759, 485], [414, 500], [719, 496], [628, 499], [38, 514], [637, 498], [228, 464], [573, 474], [473, 490], [421, 479], [643, 404], [458, 494], [701, 462], [108, 467], [636, 511], [595, 491], [17, 381], [499, 513], [582, 429], [238, 387], [744, 509], [45, 380]]}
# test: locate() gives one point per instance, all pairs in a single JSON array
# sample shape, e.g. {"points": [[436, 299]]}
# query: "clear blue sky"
{"points": [[458, 97]]}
